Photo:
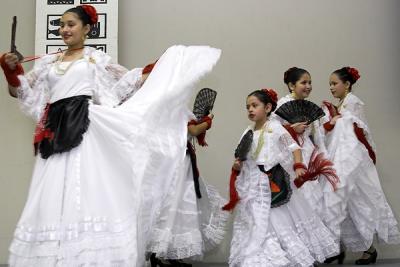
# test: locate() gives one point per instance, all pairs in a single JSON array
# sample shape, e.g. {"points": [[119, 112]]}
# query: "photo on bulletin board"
{"points": [[97, 31]]}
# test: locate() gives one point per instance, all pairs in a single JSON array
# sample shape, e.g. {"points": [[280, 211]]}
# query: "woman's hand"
{"points": [[237, 165], [299, 127], [211, 115], [11, 60], [300, 172]]}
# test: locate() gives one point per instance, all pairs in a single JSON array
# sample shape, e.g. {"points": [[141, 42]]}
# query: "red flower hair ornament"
{"points": [[272, 94], [354, 73], [91, 12]]}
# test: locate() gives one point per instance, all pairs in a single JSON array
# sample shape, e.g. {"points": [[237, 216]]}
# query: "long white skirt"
{"points": [[187, 227], [94, 205], [366, 211], [289, 235]]}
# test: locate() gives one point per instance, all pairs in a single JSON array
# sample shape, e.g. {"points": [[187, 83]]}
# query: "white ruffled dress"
{"points": [[289, 235], [94, 205], [366, 211], [188, 226]]}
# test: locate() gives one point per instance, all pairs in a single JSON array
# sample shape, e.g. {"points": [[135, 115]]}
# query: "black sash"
{"points": [[195, 170]]}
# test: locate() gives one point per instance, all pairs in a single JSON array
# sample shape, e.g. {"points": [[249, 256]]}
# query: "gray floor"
{"points": [[381, 263]]}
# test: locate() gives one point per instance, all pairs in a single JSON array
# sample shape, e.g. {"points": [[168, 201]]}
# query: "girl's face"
{"points": [[302, 88], [338, 88], [257, 110], [72, 30]]}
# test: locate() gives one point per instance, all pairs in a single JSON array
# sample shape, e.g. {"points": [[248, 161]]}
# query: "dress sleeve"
{"points": [[33, 93], [114, 83]]}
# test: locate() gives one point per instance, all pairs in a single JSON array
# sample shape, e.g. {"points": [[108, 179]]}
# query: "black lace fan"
{"points": [[204, 102], [300, 111], [244, 146]]}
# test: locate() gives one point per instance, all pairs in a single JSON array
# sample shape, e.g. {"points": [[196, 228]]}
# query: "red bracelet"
{"points": [[299, 165], [11, 75]]}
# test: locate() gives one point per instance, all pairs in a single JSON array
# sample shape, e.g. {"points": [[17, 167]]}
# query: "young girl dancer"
{"points": [[309, 137], [191, 221], [351, 148], [99, 164], [267, 232]]}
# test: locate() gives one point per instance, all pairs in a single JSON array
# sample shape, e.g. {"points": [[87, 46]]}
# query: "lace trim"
{"points": [[195, 243]]}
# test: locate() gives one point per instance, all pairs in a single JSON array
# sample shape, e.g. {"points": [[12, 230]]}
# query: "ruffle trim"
{"points": [[92, 242], [195, 243]]}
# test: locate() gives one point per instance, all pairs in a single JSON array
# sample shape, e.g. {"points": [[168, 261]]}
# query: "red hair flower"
{"points": [[91, 12], [149, 68], [354, 73], [272, 94]]}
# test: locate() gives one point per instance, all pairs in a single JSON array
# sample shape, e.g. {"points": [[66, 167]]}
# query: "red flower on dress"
{"points": [[354, 73], [272, 94], [92, 13]]}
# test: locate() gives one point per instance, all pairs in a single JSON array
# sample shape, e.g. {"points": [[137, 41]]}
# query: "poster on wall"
{"points": [[103, 35]]}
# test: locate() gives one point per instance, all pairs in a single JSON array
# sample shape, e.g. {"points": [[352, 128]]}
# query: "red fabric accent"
{"points": [[328, 126], [361, 137], [192, 122], [319, 165], [354, 73], [333, 111], [299, 181], [208, 120], [272, 94], [274, 187], [149, 68], [233, 194], [41, 132], [91, 12], [292, 132], [299, 165], [11, 75], [201, 138]]}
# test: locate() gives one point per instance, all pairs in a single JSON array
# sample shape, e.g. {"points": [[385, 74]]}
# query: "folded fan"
{"points": [[244, 146]]}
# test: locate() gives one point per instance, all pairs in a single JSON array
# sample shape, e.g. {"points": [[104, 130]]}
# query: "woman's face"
{"points": [[72, 31], [338, 88], [302, 88]]}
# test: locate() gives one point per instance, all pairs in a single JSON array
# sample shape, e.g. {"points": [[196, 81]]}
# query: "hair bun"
{"points": [[353, 73], [287, 73], [91, 12]]}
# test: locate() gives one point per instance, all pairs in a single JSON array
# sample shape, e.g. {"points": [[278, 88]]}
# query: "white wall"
{"points": [[260, 39]]}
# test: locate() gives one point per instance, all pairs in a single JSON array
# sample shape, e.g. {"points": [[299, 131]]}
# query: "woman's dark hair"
{"points": [[265, 96], [82, 15], [347, 74], [293, 74]]}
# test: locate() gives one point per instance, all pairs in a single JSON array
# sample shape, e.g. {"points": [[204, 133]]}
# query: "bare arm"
{"points": [[195, 130], [298, 158], [12, 91]]}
